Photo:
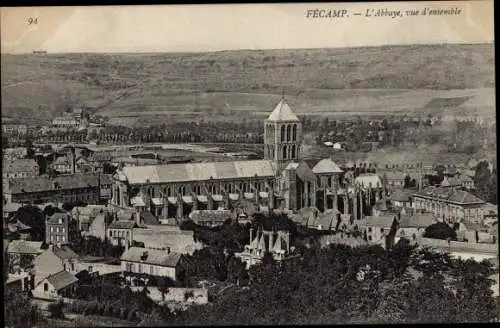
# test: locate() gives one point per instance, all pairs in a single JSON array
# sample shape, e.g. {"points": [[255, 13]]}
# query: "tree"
{"points": [[33, 217], [19, 312], [440, 230], [482, 179], [407, 181]]}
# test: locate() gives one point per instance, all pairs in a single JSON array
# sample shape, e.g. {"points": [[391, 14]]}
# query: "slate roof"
{"points": [[156, 257], [18, 226], [54, 219], [210, 215], [394, 175], [449, 195], [402, 195], [198, 171], [451, 182], [422, 220], [44, 183], [61, 280], [149, 219], [64, 253], [283, 112], [367, 178], [304, 172], [19, 165], [378, 221], [326, 165], [24, 247], [123, 224]]}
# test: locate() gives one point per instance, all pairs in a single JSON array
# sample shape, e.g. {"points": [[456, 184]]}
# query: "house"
{"points": [[56, 286], [53, 260], [338, 145], [105, 183], [394, 179], [84, 215], [324, 221], [98, 226], [401, 197], [412, 226], [22, 254], [160, 263], [379, 229], [210, 218], [120, 232], [8, 209], [60, 228], [19, 228], [164, 236], [19, 168], [277, 243], [62, 165], [69, 188]]}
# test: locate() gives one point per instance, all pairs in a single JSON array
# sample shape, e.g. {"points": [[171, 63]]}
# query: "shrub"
{"points": [[132, 315], [124, 313], [56, 309]]}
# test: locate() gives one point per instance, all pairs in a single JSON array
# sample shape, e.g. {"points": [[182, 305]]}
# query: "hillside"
{"points": [[323, 81]]}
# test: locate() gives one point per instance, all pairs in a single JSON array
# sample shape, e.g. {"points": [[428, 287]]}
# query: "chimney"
{"points": [[144, 256]]}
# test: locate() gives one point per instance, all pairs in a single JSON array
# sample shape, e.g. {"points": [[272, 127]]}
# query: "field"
{"points": [[232, 85]]}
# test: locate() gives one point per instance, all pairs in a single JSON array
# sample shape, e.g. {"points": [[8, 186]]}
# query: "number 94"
{"points": [[32, 20]]}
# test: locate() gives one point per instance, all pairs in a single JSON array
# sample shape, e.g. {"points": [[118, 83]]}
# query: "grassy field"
{"points": [[231, 85]]}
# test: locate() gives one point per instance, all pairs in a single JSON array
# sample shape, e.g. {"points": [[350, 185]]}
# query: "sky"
{"points": [[197, 28]]}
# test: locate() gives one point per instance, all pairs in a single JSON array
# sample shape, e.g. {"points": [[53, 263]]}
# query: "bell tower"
{"points": [[283, 136]]}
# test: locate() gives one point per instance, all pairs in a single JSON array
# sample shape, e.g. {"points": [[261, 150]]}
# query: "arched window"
{"points": [[293, 151], [284, 152], [282, 133], [288, 132], [294, 133]]}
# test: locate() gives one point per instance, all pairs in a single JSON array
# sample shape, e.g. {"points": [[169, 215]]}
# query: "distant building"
{"points": [[276, 243], [56, 286], [448, 203], [120, 233], [153, 262], [21, 248], [167, 237], [10, 129], [412, 226], [9, 154], [210, 218], [19, 168], [69, 188], [65, 122], [53, 260], [60, 229], [379, 229]]}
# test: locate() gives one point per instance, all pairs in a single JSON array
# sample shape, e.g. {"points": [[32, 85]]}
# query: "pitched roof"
{"points": [[25, 247], [394, 175], [61, 161], [326, 165], [149, 219], [366, 178], [54, 219], [61, 279], [283, 112], [198, 171], [402, 195], [280, 244], [422, 220], [18, 226], [60, 182], [151, 256], [64, 252], [210, 215], [304, 172], [450, 195], [19, 165], [451, 182], [379, 221], [123, 224]]}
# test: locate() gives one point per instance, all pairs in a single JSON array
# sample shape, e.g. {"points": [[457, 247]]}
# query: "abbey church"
{"points": [[281, 181]]}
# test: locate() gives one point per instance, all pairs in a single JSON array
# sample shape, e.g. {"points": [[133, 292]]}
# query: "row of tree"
{"points": [[344, 285]]}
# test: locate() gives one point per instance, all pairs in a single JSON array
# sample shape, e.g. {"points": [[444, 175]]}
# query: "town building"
{"points": [[14, 129], [19, 168], [412, 226], [120, 232], [65, 122], [379, 230], [53, 260], [56, 286], [71, 188], [167, 237], [210, 218], [9, 154], [60, 229], [276, 243], [159, 263], [18, 249], [449, 204]]}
